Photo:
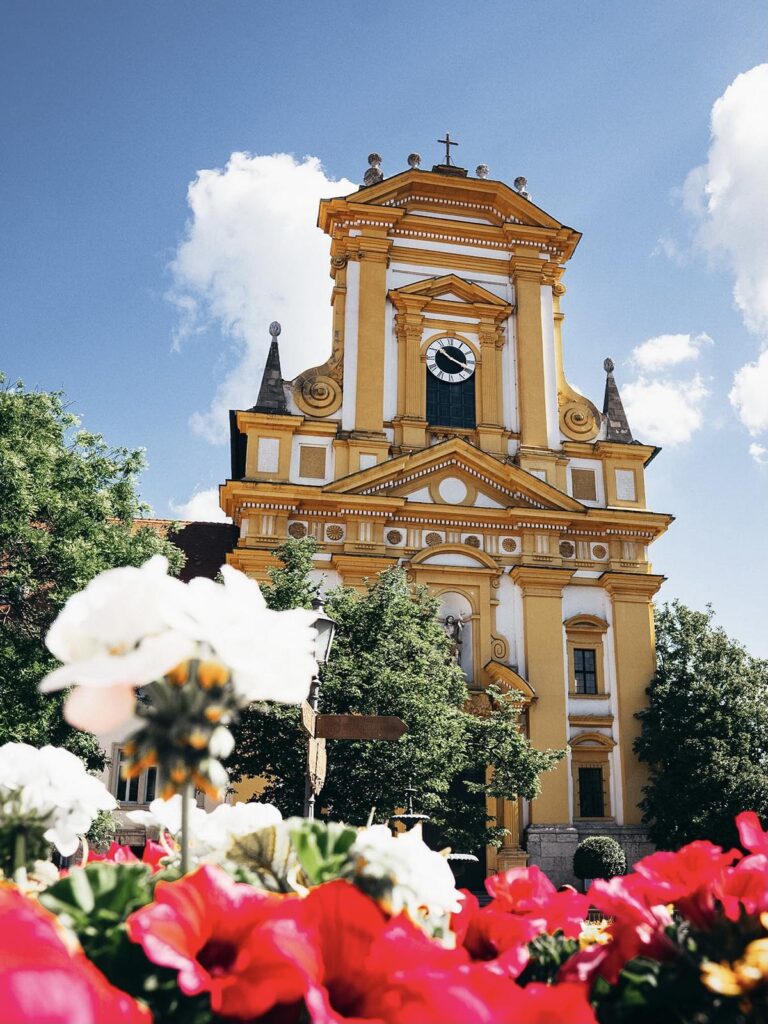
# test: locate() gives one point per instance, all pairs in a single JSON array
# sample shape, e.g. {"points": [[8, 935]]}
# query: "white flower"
{"points": [[50, 786], [270, 654], [421, 880], [118, 634], [210, 833]]}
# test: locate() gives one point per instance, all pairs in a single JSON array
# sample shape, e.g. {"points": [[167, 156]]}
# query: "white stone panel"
{"points": [[367, 461], [326, 578], [625, 485], [452, 558], [320, 442], [422, 494], [509, 623], [550, 375], [391, 355], [486, 501], [268, 459], [596, 466]]}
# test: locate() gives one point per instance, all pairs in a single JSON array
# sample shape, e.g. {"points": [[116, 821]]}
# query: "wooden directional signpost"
{"points": [[320, 728]]}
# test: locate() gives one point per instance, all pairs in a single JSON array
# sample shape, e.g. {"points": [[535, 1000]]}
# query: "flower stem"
{"points": [[20, 858], [186, 798]]}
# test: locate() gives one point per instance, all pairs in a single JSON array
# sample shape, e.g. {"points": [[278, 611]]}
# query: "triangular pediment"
{"points": [[452, 287], [479, 198], [454, 472]]}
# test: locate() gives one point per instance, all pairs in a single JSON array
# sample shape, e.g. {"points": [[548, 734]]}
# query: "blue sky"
{"points": [[114, 290]]}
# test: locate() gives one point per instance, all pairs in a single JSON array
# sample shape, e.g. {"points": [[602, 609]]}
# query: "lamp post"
{"points": [[326, 628]]}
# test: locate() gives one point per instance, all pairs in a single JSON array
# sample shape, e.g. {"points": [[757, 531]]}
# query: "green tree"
{"points": [[391, 656], [704, 733], [67, 509]]}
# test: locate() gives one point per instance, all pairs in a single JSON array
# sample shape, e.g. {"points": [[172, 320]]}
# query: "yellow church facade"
{"points": [[442, 435]]}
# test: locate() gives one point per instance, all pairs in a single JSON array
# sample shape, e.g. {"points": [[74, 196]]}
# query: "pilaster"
{"points": [[542, 591], [635, 647], [373, 253], [527, 275]]}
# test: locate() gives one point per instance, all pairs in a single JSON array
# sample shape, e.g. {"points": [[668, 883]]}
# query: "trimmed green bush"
{"points": [[599, 857]]}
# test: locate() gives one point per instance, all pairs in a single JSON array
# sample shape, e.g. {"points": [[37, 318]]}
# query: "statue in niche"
{"points": [[454, 627]]}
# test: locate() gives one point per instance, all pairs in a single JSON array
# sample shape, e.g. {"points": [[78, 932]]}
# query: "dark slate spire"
{"points": [[271, 395], [616, 426]]}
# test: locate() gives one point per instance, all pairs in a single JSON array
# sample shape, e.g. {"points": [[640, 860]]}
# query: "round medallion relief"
{"points": [[297, 531], [509, 544], [334, 532], [567, 550], [473, 542], [433, 538], [452, 490], [394, 537], [599, 551]]}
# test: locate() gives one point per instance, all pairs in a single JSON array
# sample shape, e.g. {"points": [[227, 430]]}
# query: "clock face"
{"points": [[450, 359]]}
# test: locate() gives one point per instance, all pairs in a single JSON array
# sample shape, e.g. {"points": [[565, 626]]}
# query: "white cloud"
{"points": [[728, 193], [252, 254], [668, 350], [665, 412], [759, 453], [749, 394], [202, 507]]}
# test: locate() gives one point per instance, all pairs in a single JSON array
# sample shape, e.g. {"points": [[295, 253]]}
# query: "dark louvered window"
{"points": [[591, 799], [585, 670], [451, 405]]}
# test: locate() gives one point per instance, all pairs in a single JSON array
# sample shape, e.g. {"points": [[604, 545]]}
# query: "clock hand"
{"points": [[453, 359]]}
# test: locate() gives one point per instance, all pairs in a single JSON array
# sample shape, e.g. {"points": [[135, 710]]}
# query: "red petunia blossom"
{"points": [[567, 1003], [687, 878], [44, 981], [636, 929], [249, 949], [388, 970], [117, 854], [494, 936], [744, 887], [751, 834], [527, 892]]}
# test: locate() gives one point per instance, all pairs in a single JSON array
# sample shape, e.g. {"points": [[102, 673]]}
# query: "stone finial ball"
{"points": [[274, 328], [608, 366], [374, 159], [414, 159]]}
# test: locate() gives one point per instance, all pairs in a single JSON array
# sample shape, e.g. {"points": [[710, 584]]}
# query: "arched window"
{"points": [[591, 773], [451, 405], [450, 383], [585, 655]]}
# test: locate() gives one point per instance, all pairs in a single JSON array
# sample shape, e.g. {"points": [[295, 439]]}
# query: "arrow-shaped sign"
{"points": [[352, 727]]}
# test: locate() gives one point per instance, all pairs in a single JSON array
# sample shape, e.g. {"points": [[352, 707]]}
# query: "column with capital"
{"points": [[543, 636], [373, 253], [635, 646], [526, 272], [490, 425]]}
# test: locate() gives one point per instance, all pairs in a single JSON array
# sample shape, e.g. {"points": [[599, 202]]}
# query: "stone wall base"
{"points": [[551, 847]]}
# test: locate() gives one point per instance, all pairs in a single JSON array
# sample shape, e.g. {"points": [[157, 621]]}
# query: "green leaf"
{"points": [[322, 849]]}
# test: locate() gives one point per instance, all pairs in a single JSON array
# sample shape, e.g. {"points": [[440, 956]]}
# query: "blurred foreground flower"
{"points": [[199, 652], [45, 795], [210, 832], [46, 979]]}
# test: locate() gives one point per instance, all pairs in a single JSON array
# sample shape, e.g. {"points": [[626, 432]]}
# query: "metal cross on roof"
{"points": [[447, 143]]}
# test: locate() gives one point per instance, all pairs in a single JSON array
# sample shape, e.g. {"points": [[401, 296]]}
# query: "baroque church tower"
{"points": [[441, 434]]}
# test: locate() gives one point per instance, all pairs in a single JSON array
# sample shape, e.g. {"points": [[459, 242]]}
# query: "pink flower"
{"points": [[248, 949], [527, 892], [43, 981], [687, 878]]}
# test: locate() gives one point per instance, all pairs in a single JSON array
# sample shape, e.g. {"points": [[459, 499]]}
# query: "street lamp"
{"points": [[326, 629]]}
